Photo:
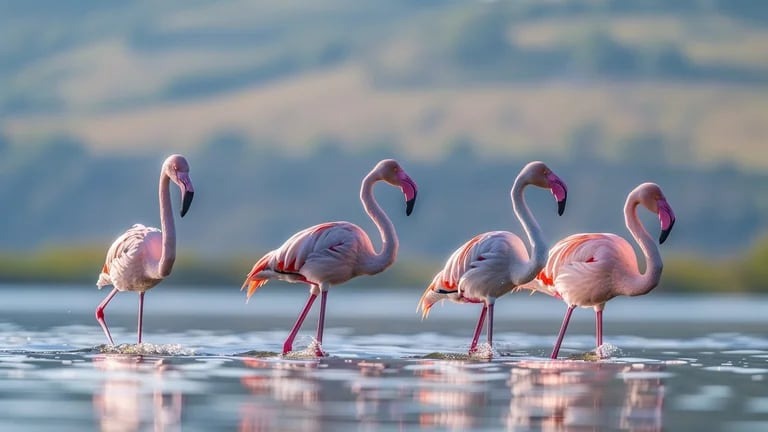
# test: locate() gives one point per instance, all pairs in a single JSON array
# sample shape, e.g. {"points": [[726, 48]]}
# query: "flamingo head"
{"points": [[176, 168], [539, 174], [652, 198], [391, 172]]}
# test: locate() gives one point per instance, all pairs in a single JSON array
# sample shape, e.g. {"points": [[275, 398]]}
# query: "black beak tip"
{"points": [[663, 236], [409, 206], [561, 207], [186, 202], [665, 233]]}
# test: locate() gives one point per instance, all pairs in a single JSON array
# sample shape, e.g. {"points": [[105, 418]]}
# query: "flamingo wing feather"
{"points": [[325, 252], [121, 257], [483, 261], [580, 262]]}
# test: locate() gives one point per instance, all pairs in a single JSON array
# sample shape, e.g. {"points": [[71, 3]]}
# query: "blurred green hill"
{"points": [[517, 78], [283, 106], [65, 203]]}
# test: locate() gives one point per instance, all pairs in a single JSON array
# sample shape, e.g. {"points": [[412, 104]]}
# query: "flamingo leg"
{"points": [[321, 324], [490, 324], [564, 326], [599, 327], [100, 314], [141, 314], [478, 329], [288, 345]]}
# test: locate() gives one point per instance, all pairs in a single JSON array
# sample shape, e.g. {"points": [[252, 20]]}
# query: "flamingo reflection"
{"points": [[562, 396], [455, 388], [132, 397], [285, 396], [644, 402]]}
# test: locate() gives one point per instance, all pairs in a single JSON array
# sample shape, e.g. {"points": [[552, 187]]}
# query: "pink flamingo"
{"points": [[142, 256], [334, 252], [589, 269], [492, 264]]}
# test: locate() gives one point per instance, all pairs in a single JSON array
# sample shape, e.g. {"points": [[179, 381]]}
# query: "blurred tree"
{"points": [[752, 269], [585, 141], [479, 39], [461, 150], [598, 53], [644, 149], [227, 147], [664, 60], [5, 144]]}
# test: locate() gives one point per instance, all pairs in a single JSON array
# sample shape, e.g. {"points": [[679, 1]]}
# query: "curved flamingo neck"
{"points": [[379, 261], [641, 283], [168, 228], [535, 237]]}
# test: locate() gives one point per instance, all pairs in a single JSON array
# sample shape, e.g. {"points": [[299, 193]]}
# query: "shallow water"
{"points": [[211, 363]]}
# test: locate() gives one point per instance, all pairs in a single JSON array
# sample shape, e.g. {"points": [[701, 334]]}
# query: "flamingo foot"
{"points": [[482, 351], [287, 347], [317, 347]]}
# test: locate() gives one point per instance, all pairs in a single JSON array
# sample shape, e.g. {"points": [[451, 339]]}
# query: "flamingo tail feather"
{"points": [[253, 281]]}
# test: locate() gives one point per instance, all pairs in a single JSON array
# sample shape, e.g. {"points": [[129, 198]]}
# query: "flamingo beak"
{"points": [[186, 201], [187, 193], [409, 190], [667, 219], [559, 191], [665, 233]]}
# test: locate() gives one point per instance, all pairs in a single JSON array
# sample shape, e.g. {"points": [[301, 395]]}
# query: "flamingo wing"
{"points": [[474, 270], [327, 252], [124, 264], [582, 267]]}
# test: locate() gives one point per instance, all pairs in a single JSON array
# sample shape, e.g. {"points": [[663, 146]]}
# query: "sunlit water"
{"points": [[210, 362]]}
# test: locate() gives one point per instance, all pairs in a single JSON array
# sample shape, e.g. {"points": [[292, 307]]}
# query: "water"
{"points": [[210, 363]]}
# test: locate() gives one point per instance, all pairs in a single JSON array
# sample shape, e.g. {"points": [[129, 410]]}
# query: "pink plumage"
{"points": [[589, 269], [143, 256], [492, 264], [334, 252]]}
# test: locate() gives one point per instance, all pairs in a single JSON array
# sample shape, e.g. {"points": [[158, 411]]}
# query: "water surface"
{"points": [[211, 363]]}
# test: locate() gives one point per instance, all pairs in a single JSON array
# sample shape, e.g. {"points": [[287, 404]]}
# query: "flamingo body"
{"points": [[479, 269], [583, 268], [142, 257], [131, 260], [327, 252], [589, 269], [332, 253], [492, 264]]}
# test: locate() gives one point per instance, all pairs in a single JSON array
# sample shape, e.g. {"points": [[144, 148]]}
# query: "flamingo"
{"points": [[492, 264], [332, 253], [589, 269], [142, 256]]}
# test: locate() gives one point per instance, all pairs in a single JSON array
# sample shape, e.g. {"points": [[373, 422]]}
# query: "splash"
{"points": [[146, 349], [260, 354], [446, 356], [603, 352], [484, 352], [312, 351], [608, 350]]}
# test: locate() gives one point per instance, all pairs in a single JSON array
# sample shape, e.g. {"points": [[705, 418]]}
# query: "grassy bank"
{"points": [[682, 272]]}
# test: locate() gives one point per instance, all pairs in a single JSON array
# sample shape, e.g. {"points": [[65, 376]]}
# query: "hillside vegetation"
{"points": [[283, 105], [515, 78]]}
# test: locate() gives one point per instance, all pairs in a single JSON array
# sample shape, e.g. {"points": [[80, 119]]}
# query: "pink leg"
{"points": [[288, 345], [100, 315], [567, 318], [321, 324], [599, 327], [141, 313], [490, 324], [478, 329]]}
